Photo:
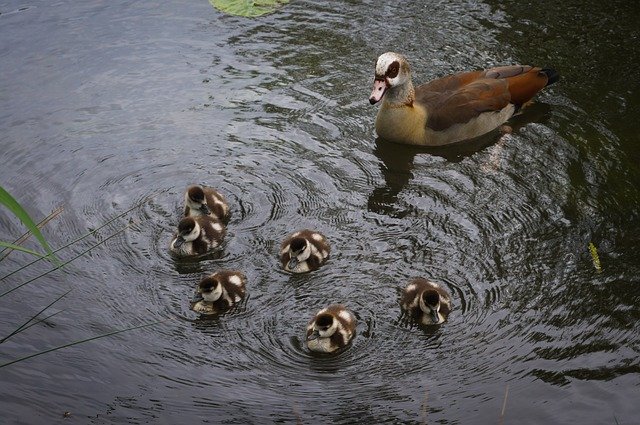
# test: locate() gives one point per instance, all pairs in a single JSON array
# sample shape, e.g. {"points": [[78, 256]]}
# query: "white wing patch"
{"points": [[317, 236], [235, 280], [346, 316]]}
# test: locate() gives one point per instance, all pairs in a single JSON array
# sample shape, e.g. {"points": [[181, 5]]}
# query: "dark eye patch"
{"points": [[393, 69]]}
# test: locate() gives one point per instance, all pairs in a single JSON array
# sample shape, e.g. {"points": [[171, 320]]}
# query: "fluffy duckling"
{"points": [[332, 328], [304, 251], [197, 235], [203, 200], [219, 291], [453, 108], [426, 302]]}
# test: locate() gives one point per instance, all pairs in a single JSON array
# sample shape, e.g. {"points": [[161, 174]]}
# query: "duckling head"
{"points": [[299, 251], [430, 304], [392, 70], [188, 231], [209, 289], [323, 327], [195, 196]]}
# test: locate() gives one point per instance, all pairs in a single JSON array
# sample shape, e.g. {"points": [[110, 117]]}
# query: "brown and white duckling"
{"points": [[332, 328], [304, 251], [219, 292], [426, 302], [203, 200], [197, 235], [453, 108]]}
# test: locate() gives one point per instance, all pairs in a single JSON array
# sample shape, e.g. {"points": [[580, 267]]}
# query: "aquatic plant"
{"points": [[7, 200], [247, 8], [10, 203]]}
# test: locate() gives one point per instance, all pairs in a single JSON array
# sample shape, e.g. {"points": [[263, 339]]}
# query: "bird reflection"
{"points": [[397, 161]]}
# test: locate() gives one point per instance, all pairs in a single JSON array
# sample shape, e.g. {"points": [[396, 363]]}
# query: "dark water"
{"points": [[106, 104]]}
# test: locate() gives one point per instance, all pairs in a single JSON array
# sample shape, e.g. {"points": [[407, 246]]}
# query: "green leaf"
{"points": [[594, 256], [8, 201], [247, 8], [19, 248]]}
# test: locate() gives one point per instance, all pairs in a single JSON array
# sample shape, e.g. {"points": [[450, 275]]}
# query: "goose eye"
{"points": [[392, 71]]}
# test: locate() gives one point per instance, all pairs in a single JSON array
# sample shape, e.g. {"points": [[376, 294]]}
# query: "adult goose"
{"points": [[453, 108]]}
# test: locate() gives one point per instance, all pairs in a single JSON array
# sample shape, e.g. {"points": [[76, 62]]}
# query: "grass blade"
{"points": [[8, 201], [66, 262], [86, 235], [60, 347], [26, 236], [19, 248], [42, 320], [23, 326]]}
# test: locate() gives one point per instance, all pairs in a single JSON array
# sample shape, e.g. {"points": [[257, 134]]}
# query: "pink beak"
{"points": [[379, 88]]}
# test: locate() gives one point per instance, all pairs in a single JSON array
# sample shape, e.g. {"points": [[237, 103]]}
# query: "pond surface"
{"points": [[107, 105]]}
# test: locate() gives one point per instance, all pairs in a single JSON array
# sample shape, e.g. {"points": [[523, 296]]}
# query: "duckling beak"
{"points": [[435, 317], [314, 335], [204, 209], [293, 263], [379, 89], [197, 298], [178, 242]]}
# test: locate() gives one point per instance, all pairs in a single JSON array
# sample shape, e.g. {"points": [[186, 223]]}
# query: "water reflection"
{"points": [[397, 161]]}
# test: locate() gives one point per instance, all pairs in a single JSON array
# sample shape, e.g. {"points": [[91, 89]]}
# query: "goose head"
{"points": [[188, 231], [392, 70], [196, 199], [299, 251], [430, 304], [324, 326]]}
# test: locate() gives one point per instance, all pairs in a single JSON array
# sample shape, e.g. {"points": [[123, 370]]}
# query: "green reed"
{"points": [[8, 201]]}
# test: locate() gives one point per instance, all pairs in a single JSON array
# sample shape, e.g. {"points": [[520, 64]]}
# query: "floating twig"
{"points": [[504, 405]]}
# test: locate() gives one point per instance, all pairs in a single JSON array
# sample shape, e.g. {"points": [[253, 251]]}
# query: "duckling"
{"points": [[203, 200], [426, 302], [219, 291], [332, 328], [197, 235], [453, 108], [304, 251]]}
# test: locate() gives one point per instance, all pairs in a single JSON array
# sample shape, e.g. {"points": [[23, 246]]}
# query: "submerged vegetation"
{"points": [[17, 210]]}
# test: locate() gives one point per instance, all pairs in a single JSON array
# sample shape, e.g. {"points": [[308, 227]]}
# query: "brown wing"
{"points": [[461, 97], [466, 103], [524, 81]]}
